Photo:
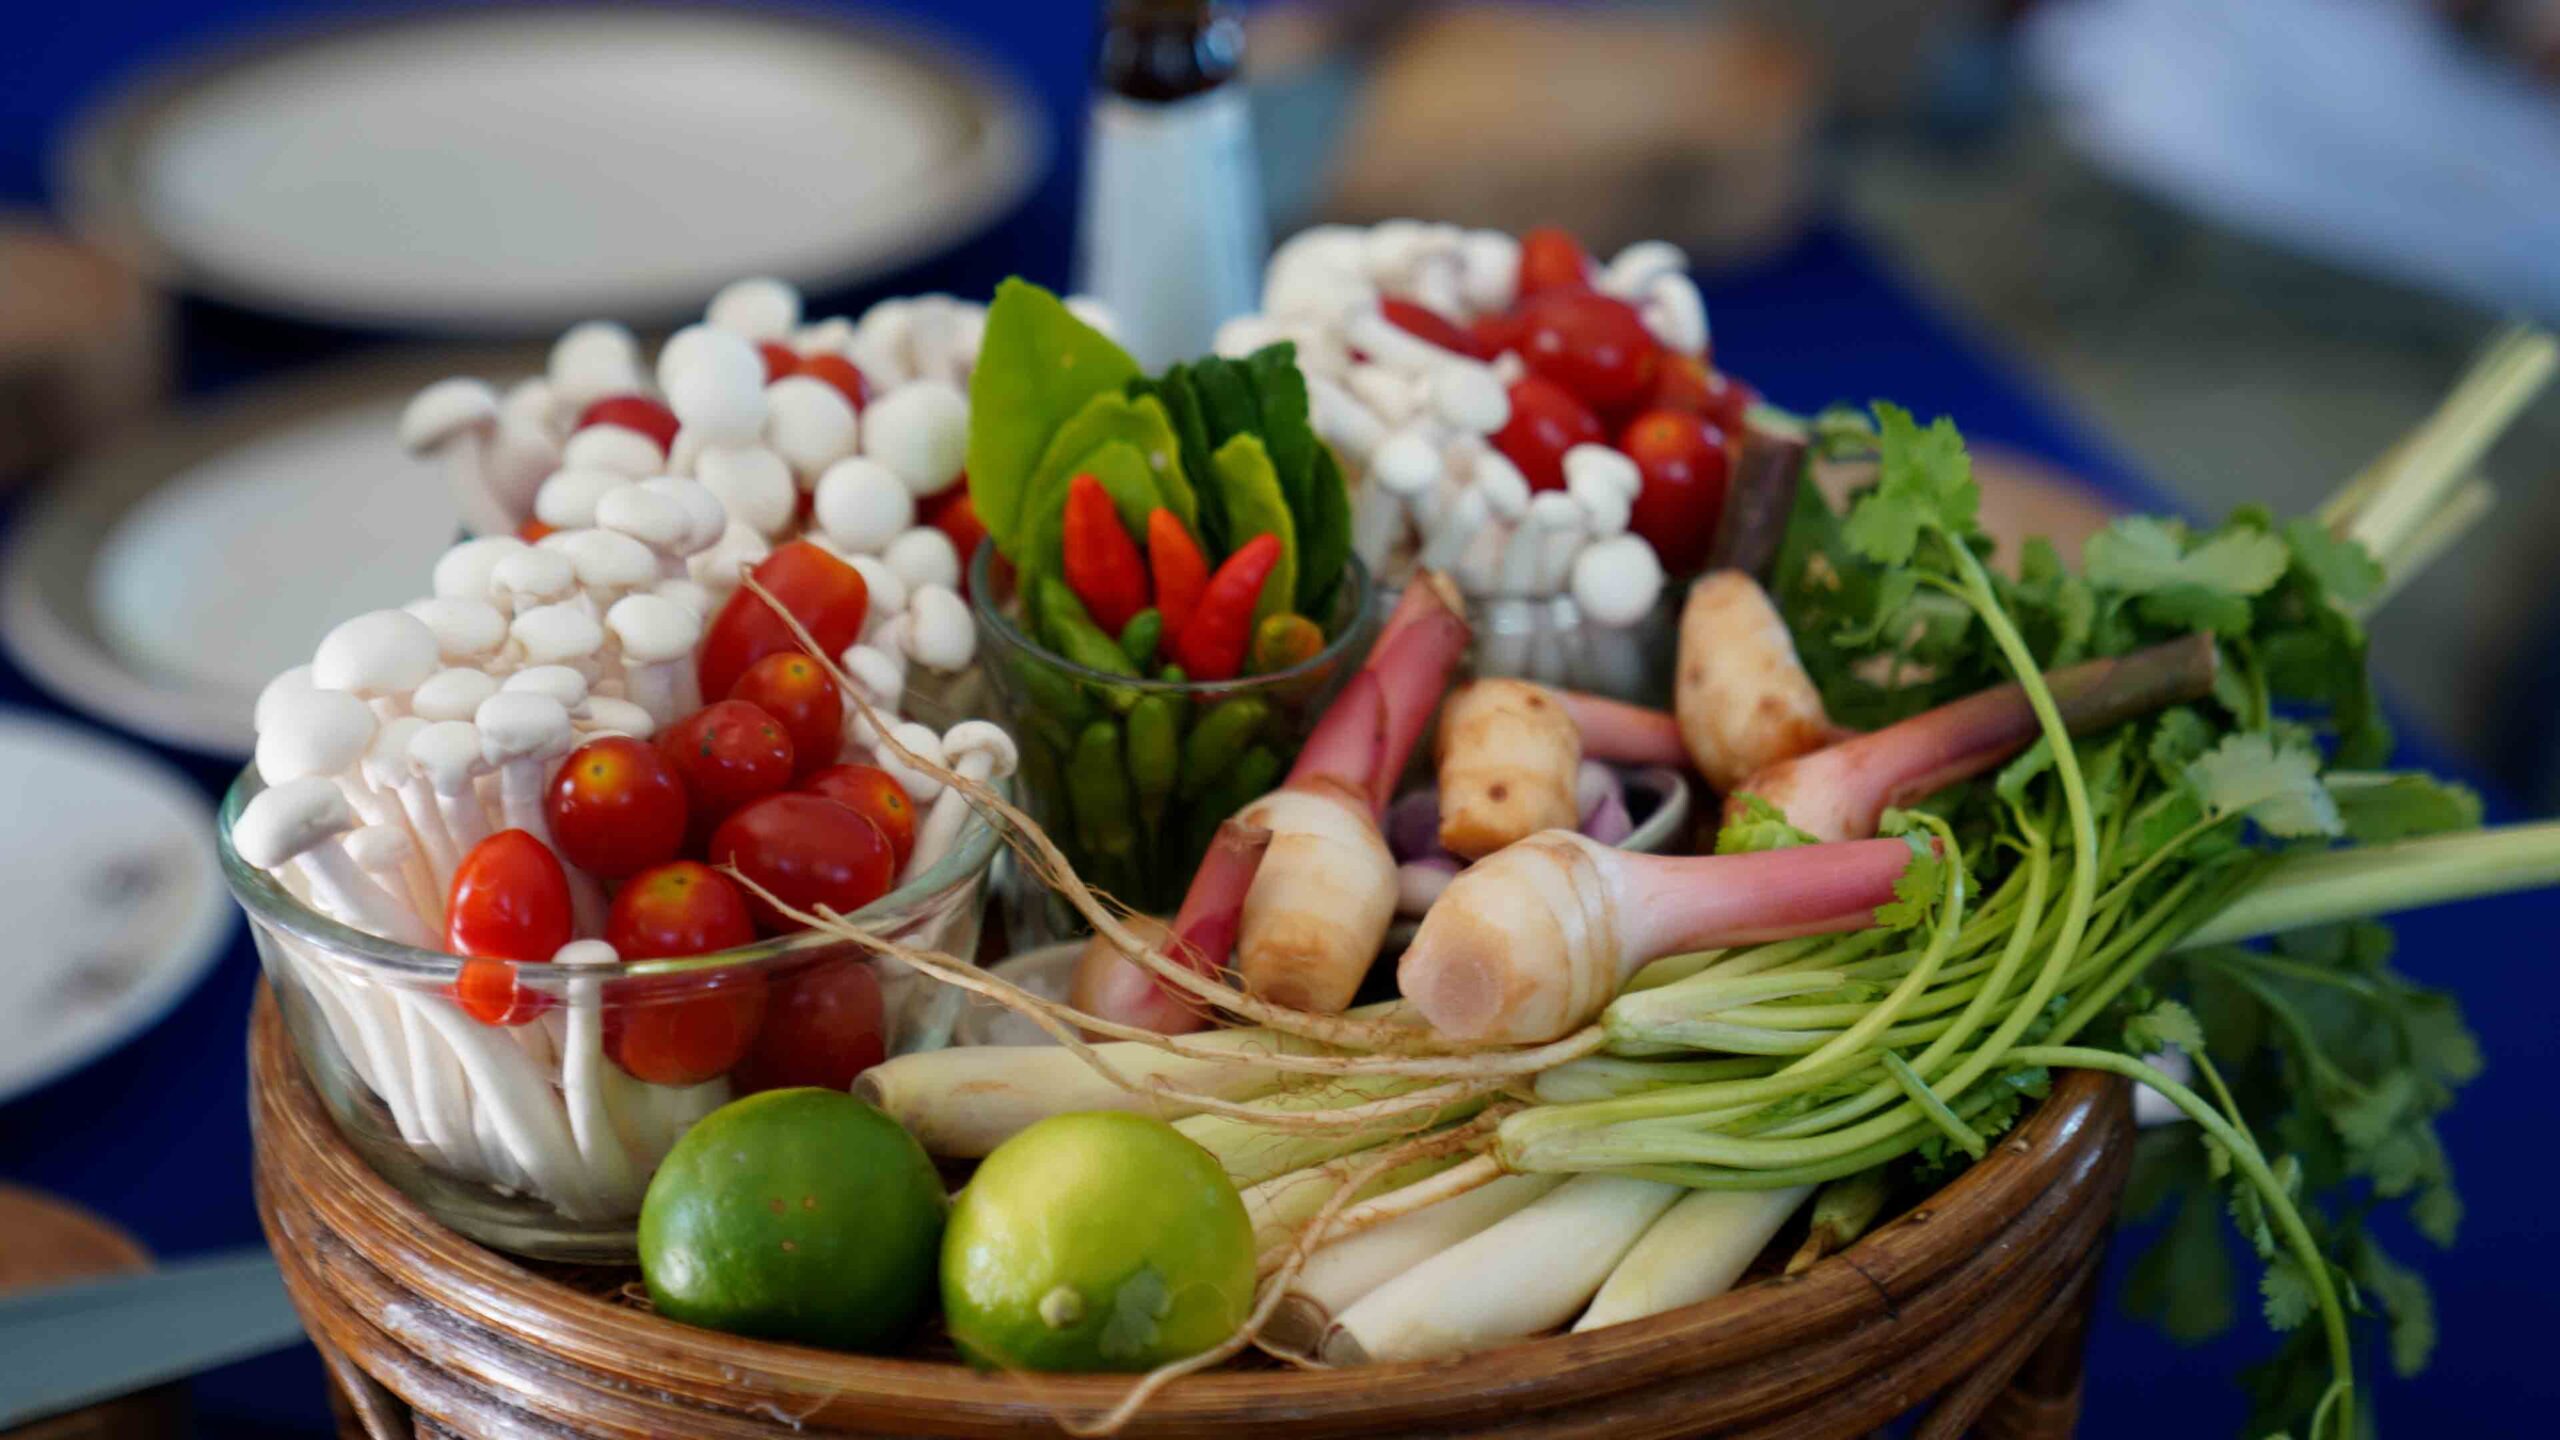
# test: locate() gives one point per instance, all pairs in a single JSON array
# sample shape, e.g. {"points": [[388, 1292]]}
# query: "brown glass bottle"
{"points": [[1167, 49]]}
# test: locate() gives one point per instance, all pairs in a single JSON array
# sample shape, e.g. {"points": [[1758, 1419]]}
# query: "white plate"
{"points": [[510, 170], [160, 583], [118, 907]]}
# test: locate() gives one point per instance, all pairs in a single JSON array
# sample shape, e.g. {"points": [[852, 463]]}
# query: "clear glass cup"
{"points": [[1136, 824], [540, 1137]]}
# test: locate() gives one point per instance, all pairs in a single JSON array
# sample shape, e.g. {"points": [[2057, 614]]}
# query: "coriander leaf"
{"points": [[2375, 808], [2344, 569], [2404, 1298], [1923, 482], [2288, 1294], [2279, 788], [2196, 607], [2166, 1025], [2177, 738], [2144, 555], [1757, 825]]}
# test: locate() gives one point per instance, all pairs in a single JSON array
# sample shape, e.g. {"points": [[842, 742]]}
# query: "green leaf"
{"points": [[1249, 494], [1181, 401], [1137, 1308], [2376, 808], [2177, 738], [2344, 569], [1753, 824], [2165, 1025], [1324, 536], [2404, 1299], [2279, 788], [2019, 773], [2144, 555], [1142, 425], [2288, 1293], [1037, 365], [1922, 883], [1924, 481]]}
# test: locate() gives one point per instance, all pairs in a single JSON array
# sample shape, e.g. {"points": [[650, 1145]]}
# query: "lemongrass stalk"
{"points": [[2452, 441], [1694, 1252], [1343, 1271], [1279, 1206], [964, 1101], [1841, 1213], [1604, 1078], [2373, 880], [1529, 1272], [1253, 1151], [2464, 509]]}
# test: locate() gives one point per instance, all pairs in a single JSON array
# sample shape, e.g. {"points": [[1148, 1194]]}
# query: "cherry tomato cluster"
{"points": [[750, 782], [1596, 375]]}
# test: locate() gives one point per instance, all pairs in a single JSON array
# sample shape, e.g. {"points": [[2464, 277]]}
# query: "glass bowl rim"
{"points": [[1364, 620], [269, 904]]}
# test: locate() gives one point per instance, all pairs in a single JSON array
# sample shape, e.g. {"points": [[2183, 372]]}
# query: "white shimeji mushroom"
{"points": [[919, 740], [294, 681], [591, 360], [758, 308], [1488, 270], [568, 500], [754, 486], [687, 592], [920, 431], [617, 448], [861, 505], [924, 556], [1617, 580], [1605, 506], [561, 683], [879, 345], [680, 352], [613, 715], [530, 579], [1244, 334], [583, 1069], [706, 519], [718, 389], [809, 423], [975, 750], [463, 572], [609, 565], [941, 635], [1467, 396], [458, 423], [466, 631], [1393, 396], [530, 404], [878, 673], [447, 753], [1548, 515], [320, 734], [387, 772], [1630, 274], [378, 657], [388, 855], [1675, 315], [298, 825], [521, 734], [1347, 425], [881, 587], [452, 694], [832, 335], [566, 635], [657, 637], [717, 569]]}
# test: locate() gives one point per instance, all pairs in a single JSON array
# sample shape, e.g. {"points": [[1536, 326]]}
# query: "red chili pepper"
{"points": [[1211, 646], [1101, 560], [1180, 571]]}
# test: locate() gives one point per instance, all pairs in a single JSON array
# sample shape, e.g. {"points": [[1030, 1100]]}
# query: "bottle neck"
{"points": [[1163, 50]]}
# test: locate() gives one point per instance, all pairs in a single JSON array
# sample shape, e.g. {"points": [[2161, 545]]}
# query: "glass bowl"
{"points": [[533, 1137], [1079, 780]]}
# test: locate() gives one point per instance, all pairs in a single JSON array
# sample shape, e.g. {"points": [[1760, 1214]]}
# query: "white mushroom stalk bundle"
{"points": [[416, 734]]}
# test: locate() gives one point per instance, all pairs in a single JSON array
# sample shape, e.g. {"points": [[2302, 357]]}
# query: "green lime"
{"points": [[801, 1215], [1100, 1241]]}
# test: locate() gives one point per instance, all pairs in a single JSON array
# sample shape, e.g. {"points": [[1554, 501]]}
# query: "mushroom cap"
{"points": [[552, 634], [924, 556], [609, 559], [464, 629], [380, 848], [706, 519], [446, 409], [533, 577], [386, 760], [614, 447], [646, 516], [1602, 465], [463, 571], [1552, 510], [921, 431], [557, 681], [718, 388], [824, 336], [1617, 580], [530, 405], [879, 675], [381, 652], [285, 820], [887, 593], [941, 634], [687, 592], [741, 548], [567, 500], [313, 732], [808, 422], [517, 723], [590, 360], [453, 694], [920, 740], [981, 737], [1468, 396], [1505, 490], [448, 754], [613, 715], [294, 681], [753, 485], [587, 952], [653, 629], [1406, 462], [862, 505], [757, 308]]}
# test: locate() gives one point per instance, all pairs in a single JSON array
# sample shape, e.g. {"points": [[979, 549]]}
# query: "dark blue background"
{"points": [[155, 1136]]}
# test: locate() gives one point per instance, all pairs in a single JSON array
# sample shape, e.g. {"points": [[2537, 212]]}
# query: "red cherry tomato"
{"points": [[1551, 259], [1493, 334], [779, 360], [509, 902], [822, 592], [633, 412], [843, 374], [680, 1030], [796, 691], [871, 792], [808, 851], [1689, 383], [1426, 324], [956, 515], [822, 1026], [726, 755], [616, 807], [1546, 421], [1593, 345], [1686, 467]]}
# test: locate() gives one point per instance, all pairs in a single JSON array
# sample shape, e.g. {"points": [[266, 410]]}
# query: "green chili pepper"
{"points": [[1172, 674], [1155, 753], [1076, 636], [1058, 706], [1139, 638], [1098, 786], [1284, 640], [1215, 742]]}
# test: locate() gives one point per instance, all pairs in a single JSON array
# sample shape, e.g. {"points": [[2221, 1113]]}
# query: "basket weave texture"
{"points": [[1971, 1306]]}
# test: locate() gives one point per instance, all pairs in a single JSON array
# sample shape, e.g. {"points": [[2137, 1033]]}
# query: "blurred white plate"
{"points": [[161, 582], [117, 907], [511, 170]]}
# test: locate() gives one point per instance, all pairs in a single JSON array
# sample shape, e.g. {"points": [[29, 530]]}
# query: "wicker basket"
{"points": [[1971, 1305]]}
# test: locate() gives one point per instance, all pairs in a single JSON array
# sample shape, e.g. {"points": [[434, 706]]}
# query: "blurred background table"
{"points": [[1907, 229]]}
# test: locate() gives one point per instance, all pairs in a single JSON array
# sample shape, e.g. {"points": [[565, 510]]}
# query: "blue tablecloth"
{"points": [[155, 1136]]}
